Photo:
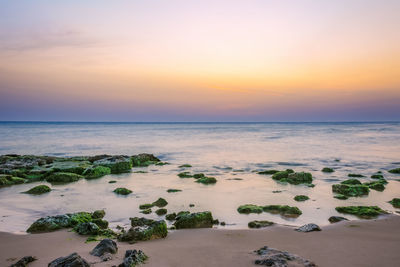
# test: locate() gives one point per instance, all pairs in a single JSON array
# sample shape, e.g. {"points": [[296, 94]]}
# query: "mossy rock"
{"points": [[103, 224], [340, 196], [355, 175], [284, 210], [96, 172], [249, 208], [145, 206], [194, 220], [365, 212], [185, 175], [73, 166], [395, 202], [268, 172], [122, 191], [185, 166], [171, 216], [161, 212], [144, 160], [377, 176], [198, 175], [87, 228], [351, 182], [63, 177], [144, 229], [280, 175], [301, 198], [259, 224], [172, 190], [350, 190], [299, 178], [38, 190], [117, 164], [378, 186], [326, 169], [112, 182], [98, 214], [161, 202], [6, 180], [146, 211], [397, 171], [206, 180]]}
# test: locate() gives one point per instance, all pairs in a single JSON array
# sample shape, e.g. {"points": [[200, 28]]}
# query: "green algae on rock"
{"points": [[143, 229], [194, 220], [377, 176], [301, 198], [6, 180], [172, 190], [185, 166], [355, 175], [171, 216], [96, 172], [161, 212], [122, 191], [98, 214], [146, 211], [145, 206], [376, 185], [350, 190], [249, 208], [185, 175], [259, 224], [351, 182], [206, 180], [292, 177], [326, 169], [38, 190], [268, 172], [340, 196], [365, 212], [397, 171], [160, 203], [63, 177], [284, 210], [69, 165], [117, 164], [144, 160], [395, 202]]}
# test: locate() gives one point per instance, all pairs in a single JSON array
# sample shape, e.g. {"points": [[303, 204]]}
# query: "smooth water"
{"points": [[222, 150]]}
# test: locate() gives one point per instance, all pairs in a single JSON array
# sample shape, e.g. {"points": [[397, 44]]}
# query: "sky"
{"points": [[153, 60]]}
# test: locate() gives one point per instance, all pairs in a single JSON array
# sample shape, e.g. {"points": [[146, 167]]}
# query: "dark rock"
{"points": [[365, 212], [144, 229], [98, 214], [23, 262], [63, 177], [310, 227], [117, 164], [73, 260], [144, 160], [160, 203], [259, 224], [87, 228], [105, 246], [350, 190], [326, 169], [276, 258], [122, 191], [395, 202], [133, 258], [52, 223], [194, 220], [335, 219], [301, 198], [161, 212], [397, 171]]}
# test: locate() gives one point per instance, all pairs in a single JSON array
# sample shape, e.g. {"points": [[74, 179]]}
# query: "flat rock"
{"points": [[276, 258], [23, 261], [310, 227], [105, 246], [335, 219], [133, 258], [73, 260]]}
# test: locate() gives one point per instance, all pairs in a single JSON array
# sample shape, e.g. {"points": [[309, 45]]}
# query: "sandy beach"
{"points": [[353, 243]]}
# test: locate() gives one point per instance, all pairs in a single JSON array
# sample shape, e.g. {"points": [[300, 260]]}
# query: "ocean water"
{"points": [[222, 150]]}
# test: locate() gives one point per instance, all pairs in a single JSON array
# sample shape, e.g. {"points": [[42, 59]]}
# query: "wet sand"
{"points": [[353, 243]]}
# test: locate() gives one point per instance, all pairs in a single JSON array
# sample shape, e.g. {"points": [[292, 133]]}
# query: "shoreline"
{"points": [[351, 243]]}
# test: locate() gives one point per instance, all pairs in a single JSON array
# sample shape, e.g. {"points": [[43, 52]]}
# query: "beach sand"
{"points": [[353, 243]]}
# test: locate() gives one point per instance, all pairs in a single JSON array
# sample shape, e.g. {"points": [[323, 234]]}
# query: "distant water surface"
{"points": [[223, 150]]}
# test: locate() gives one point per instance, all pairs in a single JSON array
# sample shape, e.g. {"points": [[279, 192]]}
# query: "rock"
{"points": [[98, 214], [340, 196], [377, 176], [293, 177], [327, 170], [276, 258], [23, 262], [6, 180], [103, 224], [112, 182], [73, 260], [87, 228], [122, 191], [397, 171], [146, 211], [171, 216], [191, 205], [185, 166], [268, 172], [63, 177], [185, 175], [301, 198], [335, 219], [259, 224], [284, 210], [105, 246], [144, 160], [194, 220], [146, 206], [355, 175], [365, 212], [249, 208], [206, 180], [160, 203], [161, 212], [38, 190], [52, 223], [376, 185], [96, 172], [351, 182], [395, 202], [350, 190], [310, 227], [106, 257], [133, 258], [70, 166], [198, 175], [173, 190], [144, 229], [117, 164]]}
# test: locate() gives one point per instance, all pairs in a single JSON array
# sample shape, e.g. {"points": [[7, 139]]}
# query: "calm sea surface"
{"points": [[222, 150]]}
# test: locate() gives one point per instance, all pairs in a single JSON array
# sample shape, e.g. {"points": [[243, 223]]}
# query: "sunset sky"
{"points": [[254, 60]]}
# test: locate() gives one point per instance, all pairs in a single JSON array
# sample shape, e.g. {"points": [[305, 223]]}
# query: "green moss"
{"points": [[351, 182], [365, 212], [146, 211], [63, 177], [350, 190], [144, 229], [397, 171], [326, 169], [377, 176], [171, 190], [268, 172], [185, 175], [280, 175], [355, 175], [378, 186], [185, 166], [194, 220], [259, 224], [70, 166], [301, 198], [284, 210], [80, 217], [117, 164], [293, 177], [160, 202], [146, 206], [96, 172], [144, 160], [112, 182], [171, 216], [6, 180], [198, 175], [122, 191], [395, 202], [98, 214], [340, 196], [161, 212], [38, 190], [249, 208], [206, 180]]}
